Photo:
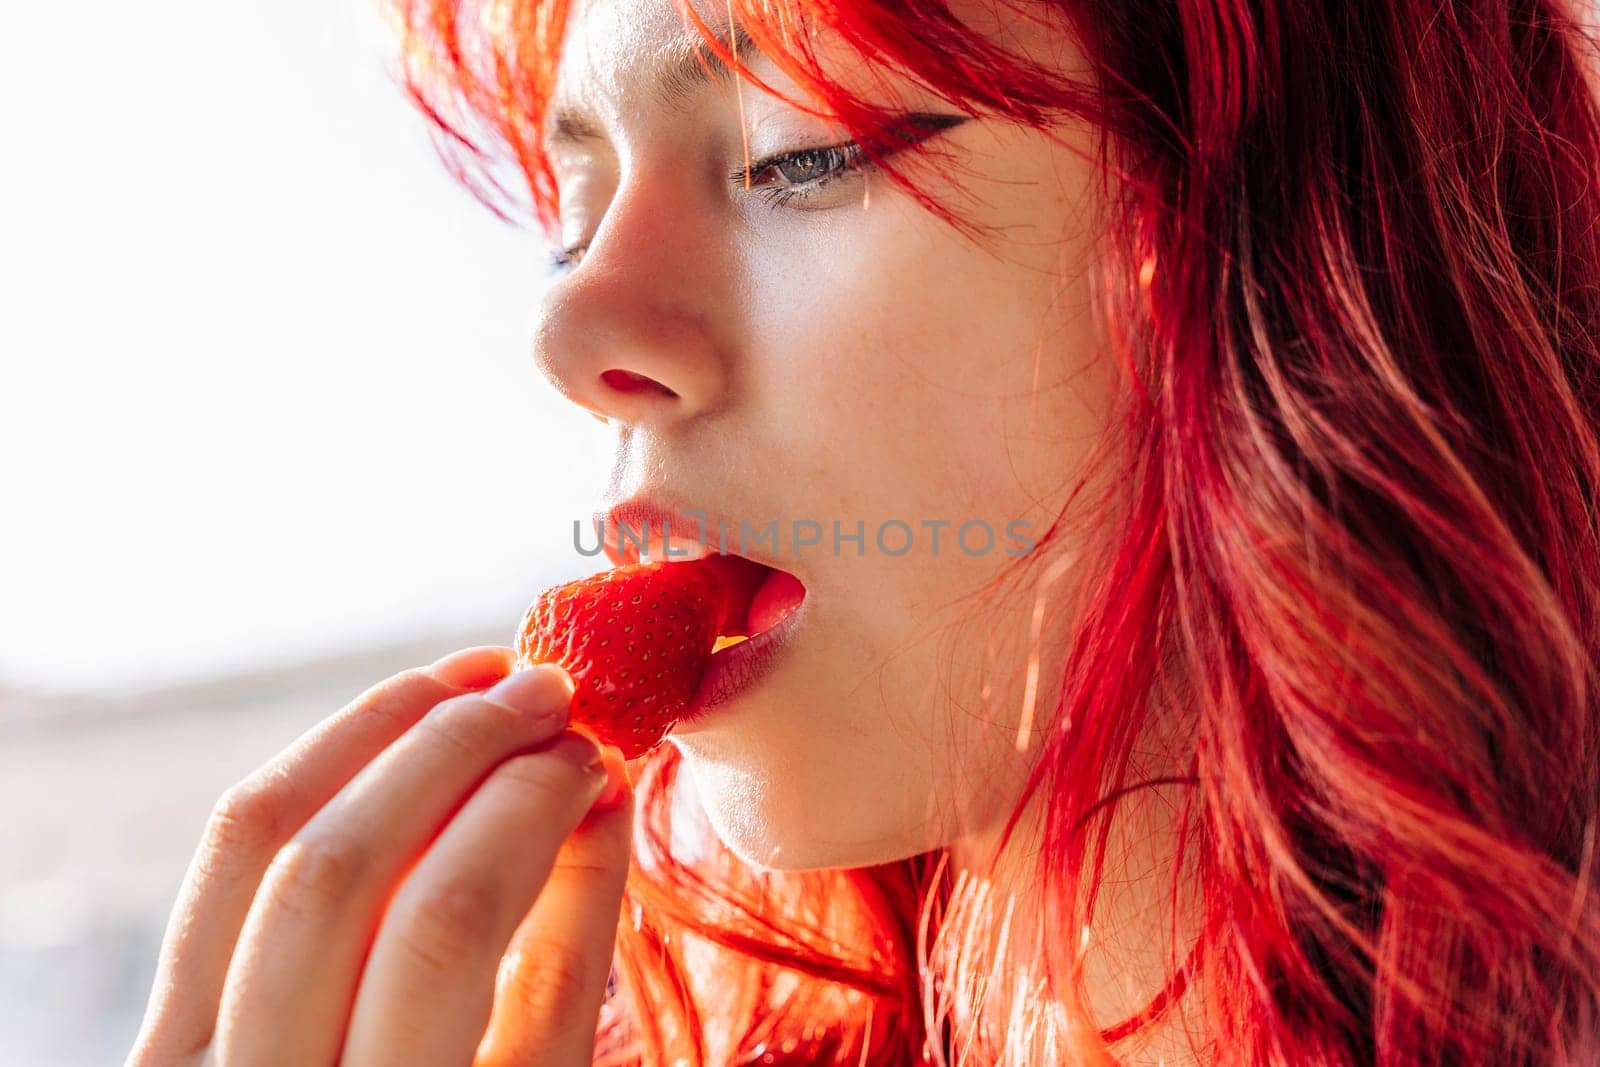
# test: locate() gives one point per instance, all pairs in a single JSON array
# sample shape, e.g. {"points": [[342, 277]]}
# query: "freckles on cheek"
{"points": [[879, 328], [892, 345], [843, 359]]}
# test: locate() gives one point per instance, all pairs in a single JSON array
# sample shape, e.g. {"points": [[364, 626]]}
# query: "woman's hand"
{"points": [[351, 900]]}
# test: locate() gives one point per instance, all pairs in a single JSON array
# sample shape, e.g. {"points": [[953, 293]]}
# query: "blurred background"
{"points": [[269, 432]]}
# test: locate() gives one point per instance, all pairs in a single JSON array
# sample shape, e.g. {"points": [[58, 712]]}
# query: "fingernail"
{"points": [[578, 750], [617, 787], [543, 690], [472, 668]]}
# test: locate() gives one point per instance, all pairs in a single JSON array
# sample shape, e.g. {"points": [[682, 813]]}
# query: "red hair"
{"points": [[1353, 558]]}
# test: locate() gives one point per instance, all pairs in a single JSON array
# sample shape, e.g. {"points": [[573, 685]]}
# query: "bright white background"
{"points": [[269, 432], [265, 390]]}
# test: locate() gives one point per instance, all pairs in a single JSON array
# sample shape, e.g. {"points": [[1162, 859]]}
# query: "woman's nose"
{"points": [[634, 332]]}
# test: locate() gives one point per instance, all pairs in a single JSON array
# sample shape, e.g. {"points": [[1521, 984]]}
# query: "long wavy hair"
{"points": [[1353, 274]]}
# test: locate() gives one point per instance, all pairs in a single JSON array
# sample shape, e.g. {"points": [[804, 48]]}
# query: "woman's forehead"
{"points": [[613, 47], [623, 57], [633, 61], [624, 54]]}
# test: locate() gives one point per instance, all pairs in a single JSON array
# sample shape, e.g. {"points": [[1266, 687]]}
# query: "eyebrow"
{"points": [[689, 68]]}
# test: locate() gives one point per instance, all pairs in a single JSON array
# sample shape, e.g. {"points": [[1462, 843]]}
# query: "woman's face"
{"points": [[829, 353]]}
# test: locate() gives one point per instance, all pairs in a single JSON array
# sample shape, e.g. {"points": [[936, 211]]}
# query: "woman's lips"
{"points": [[738, 667], [774, 611]]}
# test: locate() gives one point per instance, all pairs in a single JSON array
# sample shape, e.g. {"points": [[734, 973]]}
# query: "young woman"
{"points": [[1268, 331]]}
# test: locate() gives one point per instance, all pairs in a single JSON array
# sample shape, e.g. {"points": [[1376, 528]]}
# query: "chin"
{"points": [[809, 766], [788, 814]]}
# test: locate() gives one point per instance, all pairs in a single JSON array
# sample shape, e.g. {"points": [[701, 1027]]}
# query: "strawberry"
{"points": [[635, 639]]}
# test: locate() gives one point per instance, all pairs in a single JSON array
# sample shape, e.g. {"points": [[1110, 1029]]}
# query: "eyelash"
{"points": [[564, 258], [846, 152]]}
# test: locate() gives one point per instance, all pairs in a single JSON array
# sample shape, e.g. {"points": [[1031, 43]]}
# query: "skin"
{"points": [[352, 899], [843, 357]]}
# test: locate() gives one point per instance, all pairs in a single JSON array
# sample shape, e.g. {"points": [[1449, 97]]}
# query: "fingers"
{"points": [[256, 818], [308, 930], [553, 978], [428, 986]]}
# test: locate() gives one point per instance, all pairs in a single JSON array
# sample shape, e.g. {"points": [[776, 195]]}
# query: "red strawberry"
{"points": [[635, 640]]}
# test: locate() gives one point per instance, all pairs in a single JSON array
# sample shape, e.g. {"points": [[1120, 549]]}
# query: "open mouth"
{"points": [[760, 596], [761, 611], [764, 608]]}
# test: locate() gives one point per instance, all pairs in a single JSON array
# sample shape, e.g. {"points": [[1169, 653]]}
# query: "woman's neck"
{"points": [[996, 931]]}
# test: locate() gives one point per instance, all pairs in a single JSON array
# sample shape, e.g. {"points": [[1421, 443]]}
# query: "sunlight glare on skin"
{"points": [[1030, 693]]}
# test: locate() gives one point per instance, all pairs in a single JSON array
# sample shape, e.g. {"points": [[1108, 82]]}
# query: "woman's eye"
{"points": [[804, 173], [808, 166], [781, 178], [562, 258]]}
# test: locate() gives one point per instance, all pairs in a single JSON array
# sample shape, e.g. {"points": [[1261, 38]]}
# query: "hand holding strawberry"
{"points": [[441, 854]]}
